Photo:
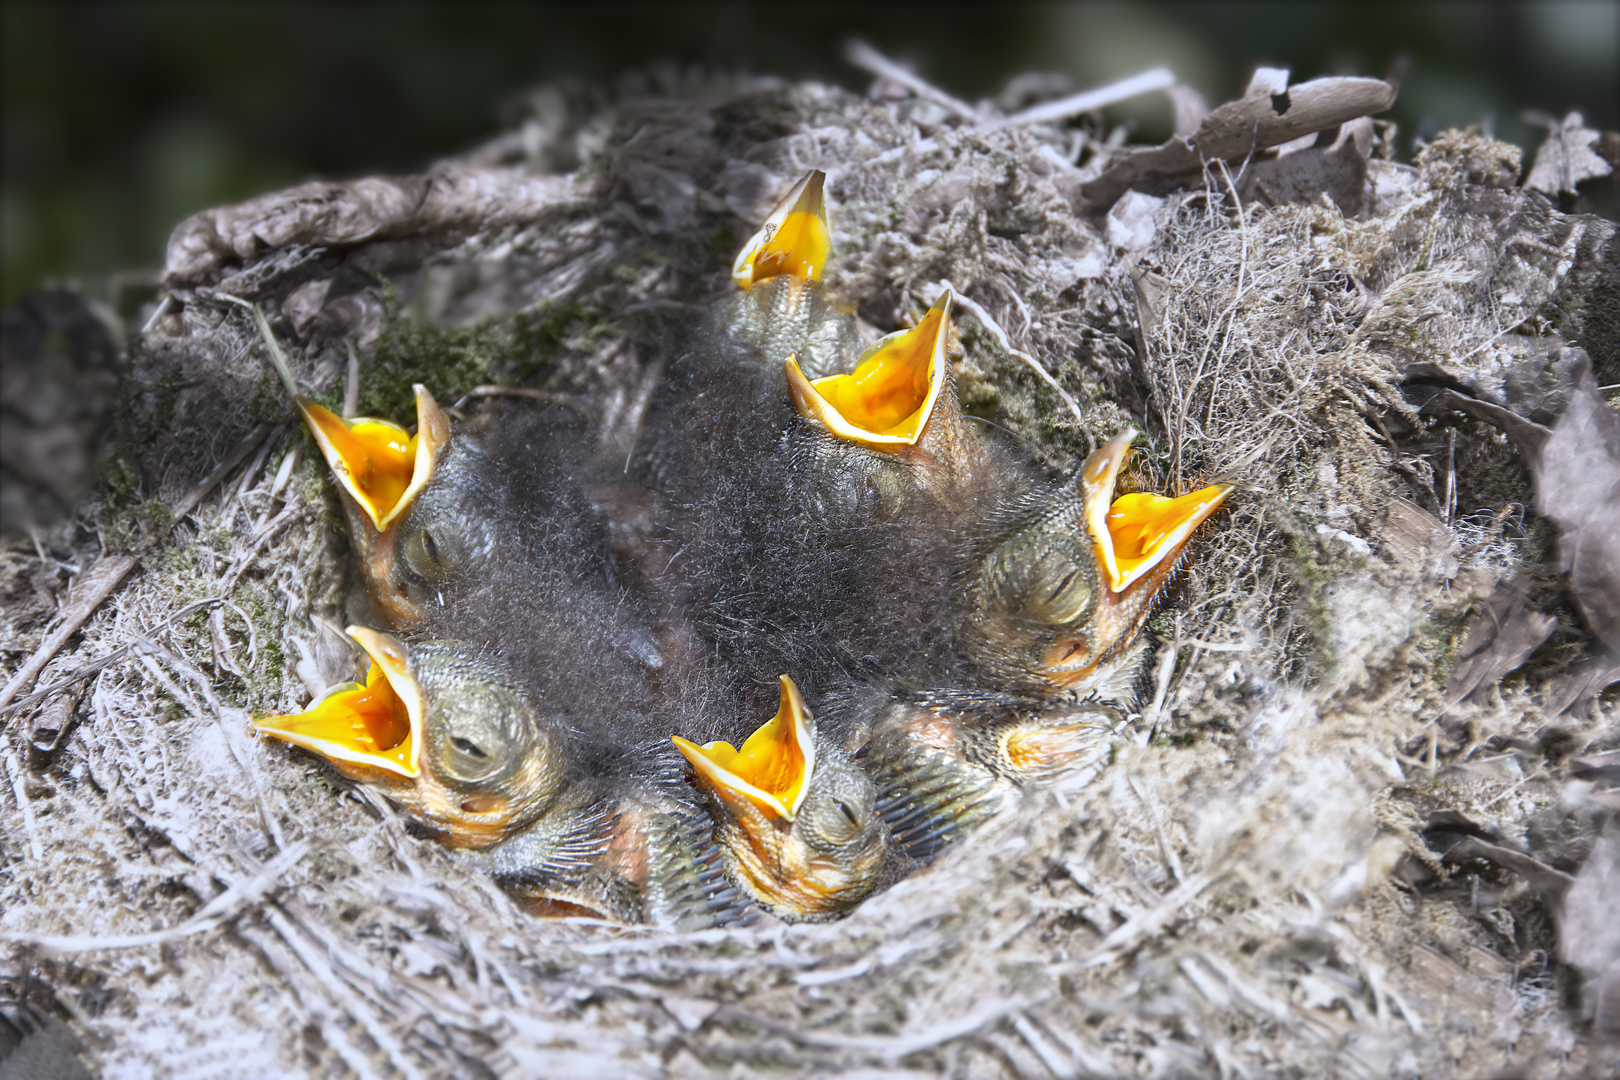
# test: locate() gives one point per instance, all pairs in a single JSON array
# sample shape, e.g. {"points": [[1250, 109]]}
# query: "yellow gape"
{"points": [[1145, 528], [773, 767], [886, 401], [1138, 533], [377, 725], [794, 240], [379, 463]]}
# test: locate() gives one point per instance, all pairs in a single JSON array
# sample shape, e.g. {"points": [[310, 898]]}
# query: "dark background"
{"points": [[120, 120]]}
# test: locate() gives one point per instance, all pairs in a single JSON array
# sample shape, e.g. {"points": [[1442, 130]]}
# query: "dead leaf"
{"points": [[1578, 486], [1569, 439], [1270, 113], [1415, 540], [1331, 163], [1567, 157], [1501, 636], [1590, 935]]}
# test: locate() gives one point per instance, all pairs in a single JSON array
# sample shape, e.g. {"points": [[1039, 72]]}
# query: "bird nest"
{"points": [[1349, 831]]}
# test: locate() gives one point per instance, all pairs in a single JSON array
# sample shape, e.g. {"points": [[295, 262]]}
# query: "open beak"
{"points": [[772, 770], [374, 726], [1139, 533], [886, 402], [794, 240], [381, 465], [1136, 540]]}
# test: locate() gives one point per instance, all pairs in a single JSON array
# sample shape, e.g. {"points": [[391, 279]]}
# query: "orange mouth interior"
{"points": [[892, 392], [368, 725], [771, 768], [378, 456], [1145, 528], [800, 247], [381, 465], [795, 240]]}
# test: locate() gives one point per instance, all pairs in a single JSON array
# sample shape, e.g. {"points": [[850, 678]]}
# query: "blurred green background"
{"points": [[119, 120]]}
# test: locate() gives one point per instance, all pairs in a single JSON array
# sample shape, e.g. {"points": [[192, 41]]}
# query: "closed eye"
{"points": [[1062, 587], [468, 747]]}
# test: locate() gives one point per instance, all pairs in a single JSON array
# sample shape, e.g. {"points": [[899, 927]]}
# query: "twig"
{"points": [[864, 56], [892, 1048], [95, 586], [1166, 850], [256, 544], [278, 359], [196, 495], [14, 771], [158, 312], [1159, 78], [1126, 936], [989, 323], [351, 382], [1051, 1056], [1551, 883], [357, 1008], [250, 473], [585, 409], [218, 910], [312, 1000], [145, 650], [117, 654]]}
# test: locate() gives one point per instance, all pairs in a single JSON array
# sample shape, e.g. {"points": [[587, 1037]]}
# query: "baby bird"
{"points": [[795, 819], [1059, 584], [946, 761], [445, 730], [890, 431], [382, 471], [436, 515]]}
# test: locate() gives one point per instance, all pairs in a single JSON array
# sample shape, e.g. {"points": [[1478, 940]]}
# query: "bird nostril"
{"points": [[1065, 650]]}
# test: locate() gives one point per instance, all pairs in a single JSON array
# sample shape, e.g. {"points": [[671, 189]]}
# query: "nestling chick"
{"points": [[946, 761], [444, 730], [447, 732], [1060, 585], [795, 818], [435, 514]]}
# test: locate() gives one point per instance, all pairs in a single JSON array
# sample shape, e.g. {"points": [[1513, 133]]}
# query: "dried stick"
{"points": [[117, 654], [892, 1048], [193, 498], [864, 56], [1126, 936], [95, 586], [351, 382], [218, 910], [990, 324], [14, 772], [1159, 78]]}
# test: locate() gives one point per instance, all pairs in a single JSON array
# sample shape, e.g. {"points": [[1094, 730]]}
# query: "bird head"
{"points": [[409, 500], [1072, 582], [894, 421], [442, 729], [795, 818]]}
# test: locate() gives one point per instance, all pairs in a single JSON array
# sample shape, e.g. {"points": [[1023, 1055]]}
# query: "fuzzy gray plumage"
{"points": [[1303, 857]]}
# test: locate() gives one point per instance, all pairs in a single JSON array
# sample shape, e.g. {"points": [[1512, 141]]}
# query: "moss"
{"points": [[1312, 578], [135, 429], [1441, 638], [450, 361]]}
